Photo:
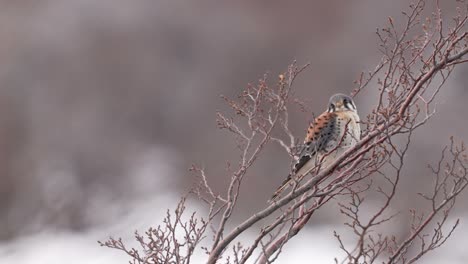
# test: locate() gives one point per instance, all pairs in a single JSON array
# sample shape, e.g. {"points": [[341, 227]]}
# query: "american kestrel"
{"points": [[331, 133]]}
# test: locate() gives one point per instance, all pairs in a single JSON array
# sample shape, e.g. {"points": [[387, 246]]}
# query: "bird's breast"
{"points": [[347, 131]]}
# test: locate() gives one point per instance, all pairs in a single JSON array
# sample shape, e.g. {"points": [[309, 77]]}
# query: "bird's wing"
{"points": [[318, 135]]}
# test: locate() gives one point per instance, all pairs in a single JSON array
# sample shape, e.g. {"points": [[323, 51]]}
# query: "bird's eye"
{"points": [[349, 104]]}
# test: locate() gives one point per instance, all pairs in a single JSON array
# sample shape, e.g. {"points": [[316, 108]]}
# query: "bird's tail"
{"points": [[286, 183]]}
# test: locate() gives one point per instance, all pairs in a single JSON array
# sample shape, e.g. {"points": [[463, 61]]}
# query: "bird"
{"points": [[333, 132]]}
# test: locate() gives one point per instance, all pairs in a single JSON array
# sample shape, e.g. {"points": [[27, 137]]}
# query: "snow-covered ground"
{"points": [[315, 245]]}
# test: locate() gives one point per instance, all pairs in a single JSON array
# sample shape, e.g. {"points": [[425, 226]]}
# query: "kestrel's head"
{"points": [[341, 102]]}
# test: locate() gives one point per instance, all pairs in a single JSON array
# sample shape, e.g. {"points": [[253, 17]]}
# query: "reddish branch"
{"points": [[406, 80]]}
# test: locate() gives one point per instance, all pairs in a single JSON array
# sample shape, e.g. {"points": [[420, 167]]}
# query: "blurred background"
{"points": [[105, 104]]}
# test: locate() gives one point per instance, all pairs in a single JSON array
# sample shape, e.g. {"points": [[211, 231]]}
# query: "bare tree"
{"points": [[417, 58]]}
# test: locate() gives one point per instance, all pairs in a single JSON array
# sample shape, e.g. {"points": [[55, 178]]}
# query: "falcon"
{"points": [[331, 133]]}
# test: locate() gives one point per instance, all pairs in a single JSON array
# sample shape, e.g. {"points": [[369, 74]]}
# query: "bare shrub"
{"points": [[417, 59]]}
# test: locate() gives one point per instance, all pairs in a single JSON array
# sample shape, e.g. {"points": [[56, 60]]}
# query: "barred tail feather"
{"points": [[285, 184], [289, 181]]}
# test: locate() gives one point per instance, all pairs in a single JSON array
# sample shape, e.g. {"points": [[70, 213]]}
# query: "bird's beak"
{"points": [[339, 104]]}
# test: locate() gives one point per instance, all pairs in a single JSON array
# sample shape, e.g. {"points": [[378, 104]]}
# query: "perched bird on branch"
{"points": [[331, 133]]}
